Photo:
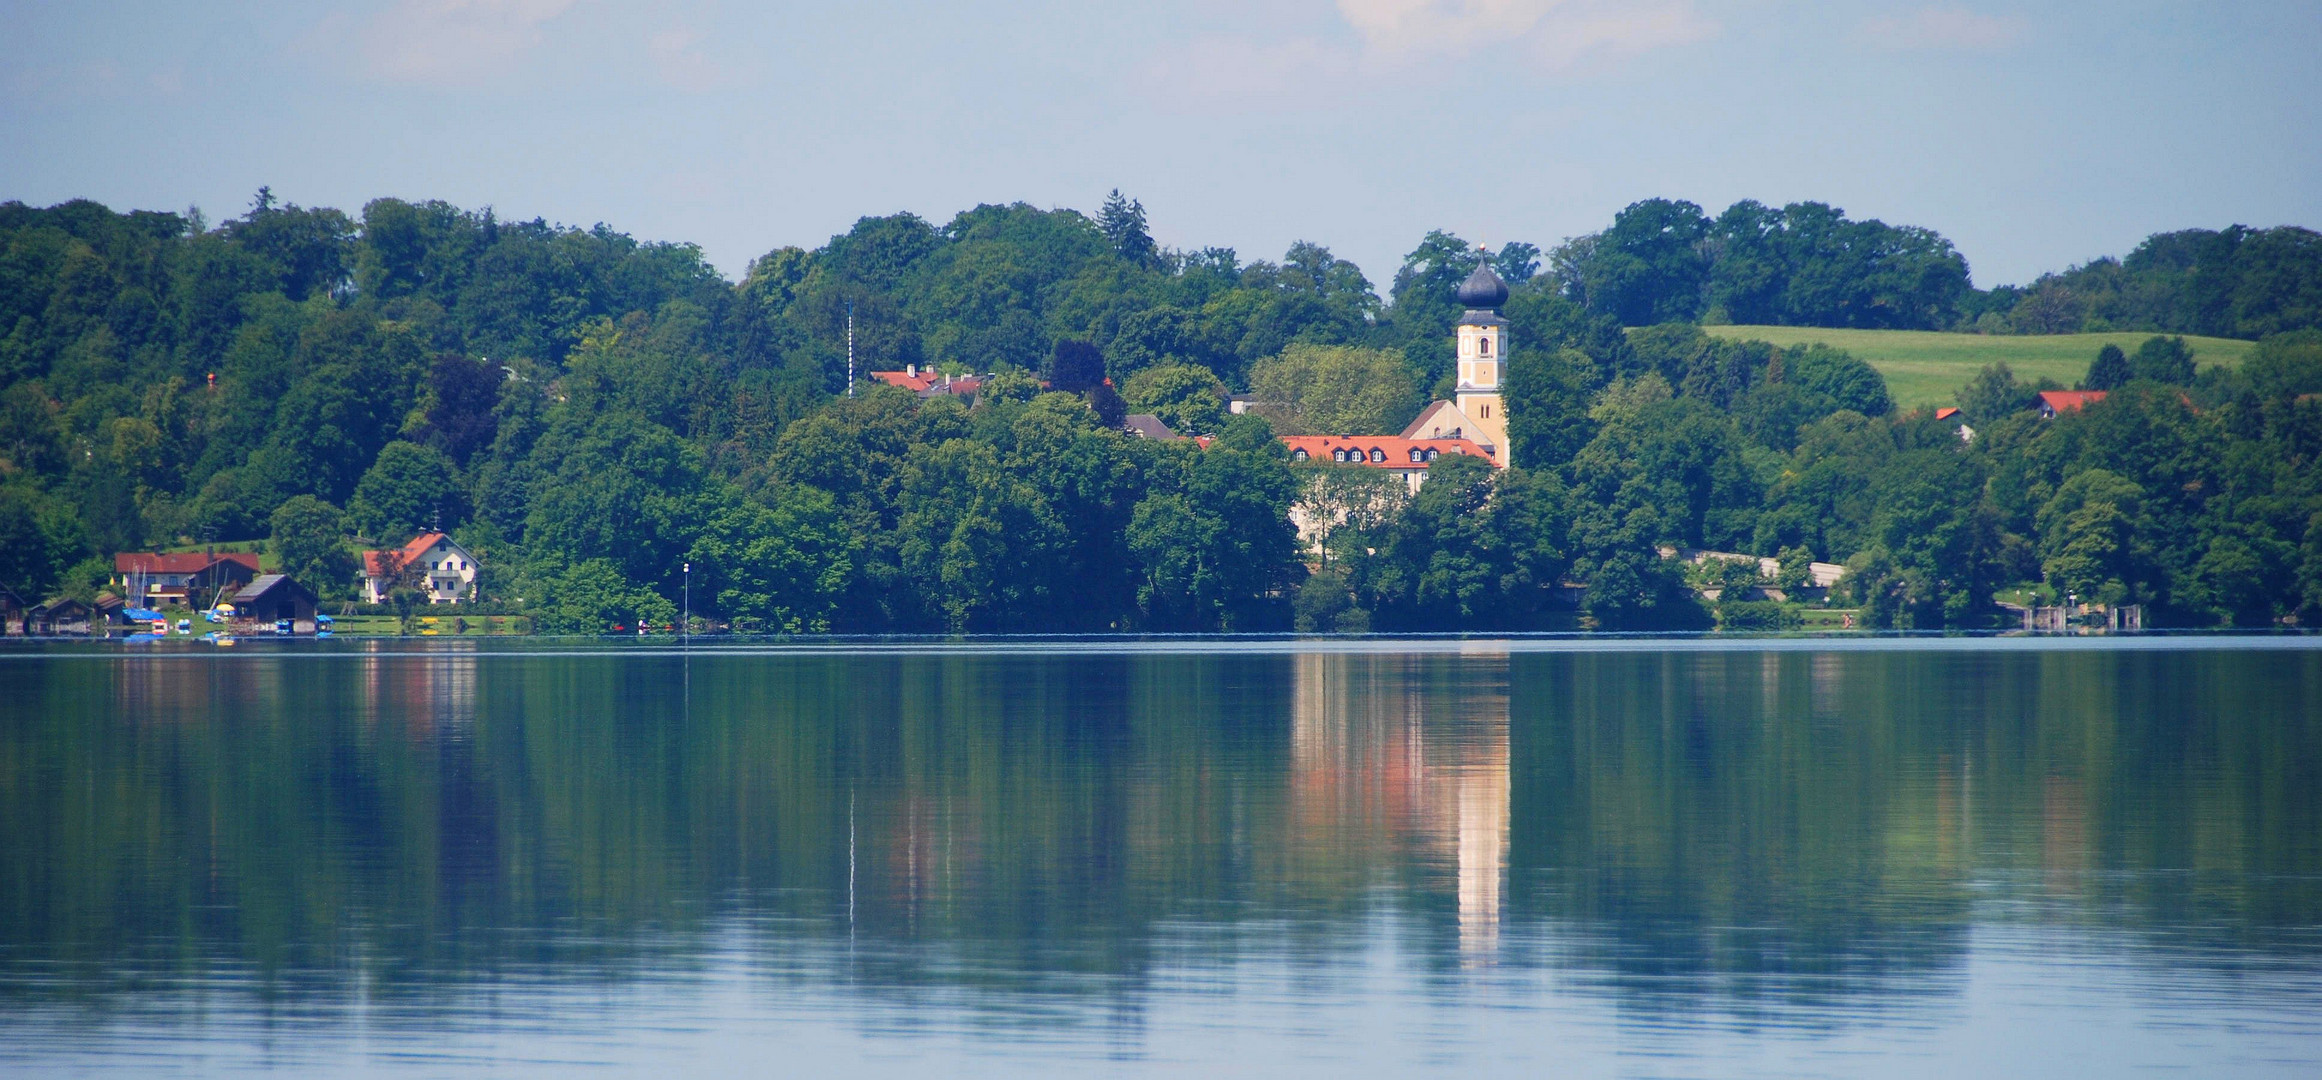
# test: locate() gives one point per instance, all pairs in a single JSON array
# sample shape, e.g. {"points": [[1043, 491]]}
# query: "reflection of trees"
{"points": [[1810, 826], [1738, 828]]}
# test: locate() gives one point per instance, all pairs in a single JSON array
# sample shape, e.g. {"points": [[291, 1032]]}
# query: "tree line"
{"points": [[592, 414], [1806, 264]]}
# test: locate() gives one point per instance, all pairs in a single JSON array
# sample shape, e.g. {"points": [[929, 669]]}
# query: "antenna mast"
{"points": [[850, 348]]}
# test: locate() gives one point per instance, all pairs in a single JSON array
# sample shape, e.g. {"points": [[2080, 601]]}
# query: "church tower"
{"points": [[1483, 350]]}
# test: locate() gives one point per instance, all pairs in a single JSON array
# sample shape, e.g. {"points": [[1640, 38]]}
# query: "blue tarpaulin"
{"points": [[138, 614]]}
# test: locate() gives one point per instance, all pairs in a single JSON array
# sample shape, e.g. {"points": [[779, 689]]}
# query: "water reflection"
{"points": [[1079, 849], [1409, 756]]}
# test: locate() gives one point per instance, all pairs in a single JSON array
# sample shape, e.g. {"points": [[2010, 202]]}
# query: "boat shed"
{"points": [[271, 598], [60, 616]]}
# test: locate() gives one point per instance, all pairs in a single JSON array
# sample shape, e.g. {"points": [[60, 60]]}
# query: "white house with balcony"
{"points": [[446, 572]]}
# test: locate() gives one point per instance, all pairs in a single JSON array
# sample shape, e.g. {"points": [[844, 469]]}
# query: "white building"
{"points": [[447, 571]]}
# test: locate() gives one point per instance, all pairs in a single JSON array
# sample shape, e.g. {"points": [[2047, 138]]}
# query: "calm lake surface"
{"points": [[1612, 858]]}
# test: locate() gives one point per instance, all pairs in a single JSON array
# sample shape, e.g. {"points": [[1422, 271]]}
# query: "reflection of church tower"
{"points": [[1483, 345], [1410, 756]]}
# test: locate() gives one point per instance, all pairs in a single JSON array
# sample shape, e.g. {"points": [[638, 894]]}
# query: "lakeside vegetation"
{"points": [[590, 415]]}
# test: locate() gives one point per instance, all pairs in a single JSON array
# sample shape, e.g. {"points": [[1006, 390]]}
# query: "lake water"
{"points": [[1685, 857]]}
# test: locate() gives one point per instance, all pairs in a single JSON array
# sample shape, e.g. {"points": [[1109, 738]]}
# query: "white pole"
{"points": [[850, 348]]}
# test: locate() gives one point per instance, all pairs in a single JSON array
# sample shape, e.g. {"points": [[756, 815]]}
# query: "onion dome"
{"points": [[1483, 289]]}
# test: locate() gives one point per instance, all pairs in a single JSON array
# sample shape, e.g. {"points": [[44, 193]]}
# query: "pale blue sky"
{"points": [[2033, 134]]}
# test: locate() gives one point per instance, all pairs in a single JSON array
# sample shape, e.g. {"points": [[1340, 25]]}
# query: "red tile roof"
{"points": [[1946, 412], [2061, 401], [387, 563], [928, 382], [912, 381], [178, 562], [1395, 448]]}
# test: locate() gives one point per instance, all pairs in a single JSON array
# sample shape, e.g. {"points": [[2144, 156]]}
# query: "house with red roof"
{"points": [[446, 571], [928, 382], [1319, 510], [1408, 458], [151, 579], [914, 380], [2064, 401]]}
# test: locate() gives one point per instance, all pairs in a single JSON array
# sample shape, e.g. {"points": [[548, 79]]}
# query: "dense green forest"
{"points": [[591, 413], [1805, 264]]}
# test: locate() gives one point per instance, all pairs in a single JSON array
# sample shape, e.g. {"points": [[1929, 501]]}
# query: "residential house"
{"points": [[1314, 514], [2064, 401], [447, 570], [1408, 458], [159, 580], [929, 383], [11, 612], [1147, 426]]}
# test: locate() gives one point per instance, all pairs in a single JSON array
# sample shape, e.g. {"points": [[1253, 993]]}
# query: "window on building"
{"points": [[1378, 456], [1483, 346], [1418, 454], [1298, 455], [1432, 454]]}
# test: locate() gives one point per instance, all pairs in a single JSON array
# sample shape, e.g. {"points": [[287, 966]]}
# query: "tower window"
{"points": [[1483, 346]]}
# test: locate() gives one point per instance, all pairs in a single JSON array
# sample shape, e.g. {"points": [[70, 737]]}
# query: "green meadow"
{"points": [[1924, 367]]}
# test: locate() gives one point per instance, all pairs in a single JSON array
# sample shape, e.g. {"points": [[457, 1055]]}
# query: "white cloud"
{"points": [[1558, 33], [453, 40], [1944, 28]]}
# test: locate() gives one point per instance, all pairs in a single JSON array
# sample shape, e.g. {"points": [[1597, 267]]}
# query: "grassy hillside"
{"points": [[1924, 367]]}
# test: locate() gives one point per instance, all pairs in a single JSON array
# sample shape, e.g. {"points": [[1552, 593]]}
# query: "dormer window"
{"points": [[1338, 455], [1378, 456], [1433, 453], [1418, 455], [1298, 455]]}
